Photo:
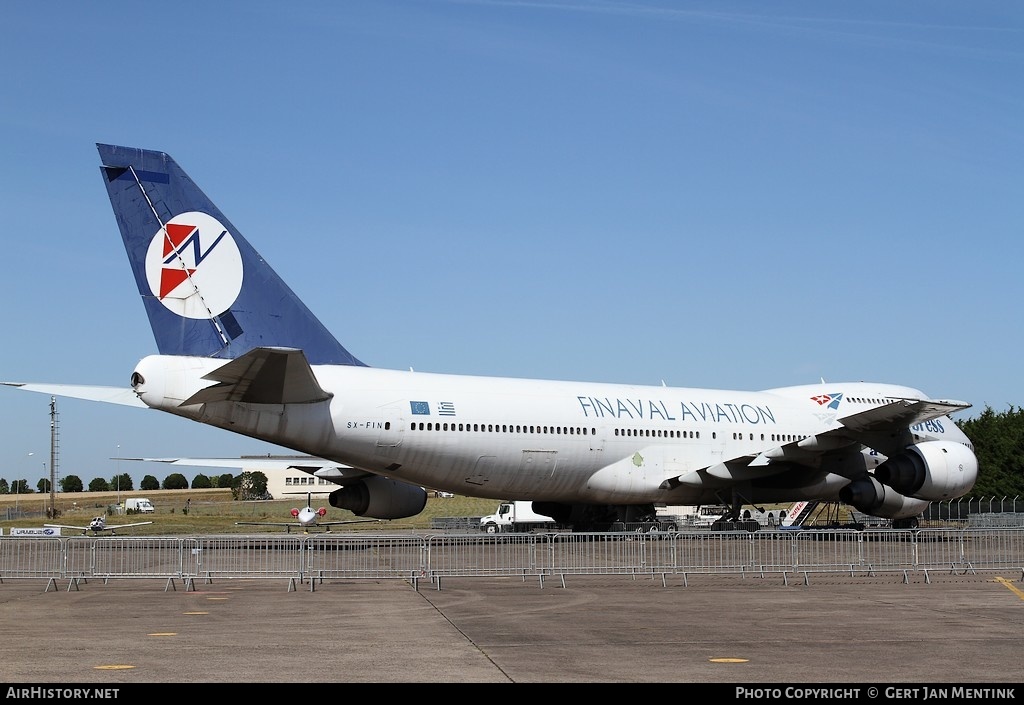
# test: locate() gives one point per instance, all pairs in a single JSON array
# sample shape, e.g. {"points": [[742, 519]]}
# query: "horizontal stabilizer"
{"points": [[111, 395], [263, 376]]}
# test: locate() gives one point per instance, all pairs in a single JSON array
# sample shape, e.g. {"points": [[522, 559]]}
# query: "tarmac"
{"points": [[833, 629]]}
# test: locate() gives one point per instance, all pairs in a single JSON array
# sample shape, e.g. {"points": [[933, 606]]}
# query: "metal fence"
{"points": [[965, 507], [311, 559]]}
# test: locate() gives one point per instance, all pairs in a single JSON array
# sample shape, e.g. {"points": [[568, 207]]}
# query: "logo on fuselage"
{"points": [[832, 400], [193, 266]]}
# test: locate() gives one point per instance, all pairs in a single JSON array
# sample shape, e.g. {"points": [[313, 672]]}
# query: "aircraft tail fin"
{"points": [[207, 292]]}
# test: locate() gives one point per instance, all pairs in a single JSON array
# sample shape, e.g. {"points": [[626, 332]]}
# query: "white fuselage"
{"points": [[510, 438]]}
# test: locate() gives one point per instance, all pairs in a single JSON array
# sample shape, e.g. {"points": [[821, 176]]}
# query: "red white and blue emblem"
{"points": [[193, 266], [831, 400]]}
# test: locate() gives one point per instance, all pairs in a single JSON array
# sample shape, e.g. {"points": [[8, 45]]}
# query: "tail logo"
{"points": [[193, 266]]}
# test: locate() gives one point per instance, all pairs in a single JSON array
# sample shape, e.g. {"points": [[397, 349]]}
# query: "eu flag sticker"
{"points": [[420, 407]]}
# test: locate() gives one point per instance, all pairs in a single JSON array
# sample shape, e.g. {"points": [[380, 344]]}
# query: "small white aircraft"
{"points": [[97, 526], [306, 518]]}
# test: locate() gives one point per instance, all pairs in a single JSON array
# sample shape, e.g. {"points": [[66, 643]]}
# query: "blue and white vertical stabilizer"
{"points": [[207, 292]]}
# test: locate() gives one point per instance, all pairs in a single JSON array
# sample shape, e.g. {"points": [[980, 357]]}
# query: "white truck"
{"points": [[516, 516], [140, 505]]}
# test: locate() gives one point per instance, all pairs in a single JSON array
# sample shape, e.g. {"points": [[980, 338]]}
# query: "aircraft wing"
{"points": [[289, 525], [873, 427], [880, 427], [318, 467], [106, 527], [898, 415], [876, 428], [308, 526], [111, 395]]}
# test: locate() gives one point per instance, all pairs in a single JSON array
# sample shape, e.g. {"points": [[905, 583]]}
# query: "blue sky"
{"points": [[711, 194]]}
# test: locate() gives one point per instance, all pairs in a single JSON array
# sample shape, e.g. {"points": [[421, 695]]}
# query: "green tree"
{"points": [[70, 483], [201, 482], [98, 484], [250, 485], [226, 480], [175, 481], [122, 482], [21, 487], [5, 488], [999, 444], [43, 485], [149, 483]]}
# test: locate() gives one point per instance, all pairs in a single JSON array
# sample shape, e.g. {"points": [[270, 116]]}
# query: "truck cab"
{"points": [[517, 516]]}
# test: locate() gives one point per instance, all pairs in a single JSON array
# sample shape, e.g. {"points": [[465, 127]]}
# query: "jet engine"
{"points": [[870, 496], [934, 470], [380, 498]]}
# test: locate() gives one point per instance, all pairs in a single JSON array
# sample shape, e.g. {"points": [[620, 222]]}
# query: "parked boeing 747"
{"points": [[238, 350]]}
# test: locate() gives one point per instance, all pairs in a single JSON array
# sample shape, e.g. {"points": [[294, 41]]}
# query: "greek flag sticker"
{"points": [[420, 407]]}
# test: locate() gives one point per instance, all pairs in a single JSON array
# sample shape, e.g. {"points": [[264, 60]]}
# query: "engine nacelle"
{"points": [[870, 496], [380, 498], [933, 470]]}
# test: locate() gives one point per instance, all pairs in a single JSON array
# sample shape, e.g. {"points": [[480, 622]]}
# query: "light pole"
{"points": [[17, 488], [117, 479]]}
